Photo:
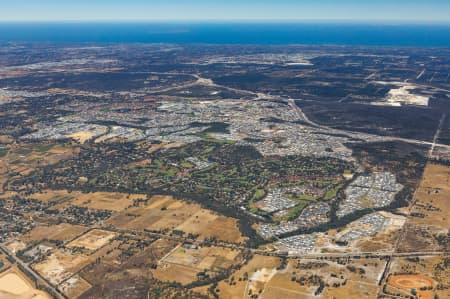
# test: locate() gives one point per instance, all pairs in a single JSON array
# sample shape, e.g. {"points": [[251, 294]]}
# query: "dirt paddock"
{"points": [[410, 281]]}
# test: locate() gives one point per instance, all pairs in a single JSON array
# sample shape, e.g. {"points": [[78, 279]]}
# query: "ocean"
{"points": [[424, 35]]}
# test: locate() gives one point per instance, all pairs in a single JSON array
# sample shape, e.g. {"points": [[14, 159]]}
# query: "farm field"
{"points": [[164, 213], [92, 240], [60, 232], [111, 201], [211, 171]]}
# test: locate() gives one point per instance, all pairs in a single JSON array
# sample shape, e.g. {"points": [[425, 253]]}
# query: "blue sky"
{"points": [[185, 10]]}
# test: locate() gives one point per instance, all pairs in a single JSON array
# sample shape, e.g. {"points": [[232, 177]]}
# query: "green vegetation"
{"points": [[258, 195], [186, 164], [236, 172], [296, 211], [44, 148], [300, 197], [208, 137], [3, 151], [331, 193], [23, 151], [171, 172]]}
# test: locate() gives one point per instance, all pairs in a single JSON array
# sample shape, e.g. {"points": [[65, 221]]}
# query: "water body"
{"points": [[231, 33]]}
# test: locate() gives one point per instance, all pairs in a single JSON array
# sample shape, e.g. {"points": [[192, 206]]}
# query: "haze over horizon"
{"points": [[231, 10]]}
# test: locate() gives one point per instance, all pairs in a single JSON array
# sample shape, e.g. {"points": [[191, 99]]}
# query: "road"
{"points": [[436, 136], [369, 254], [291, 102], [301, 115], [349, 133], [411, 205], [31, 272]]}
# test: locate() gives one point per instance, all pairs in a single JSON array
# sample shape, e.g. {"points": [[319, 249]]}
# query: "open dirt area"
{"points": [[93, 239], [404, 94], [74, 286], [15, 245], [434, 272], [14, 285], [410, 282], [61, 265]]}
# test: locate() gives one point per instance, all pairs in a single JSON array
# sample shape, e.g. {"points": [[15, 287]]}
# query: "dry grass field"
{"points": [[276, 293], [84, 136], [164, 145], [23, 158], [61, 232], [15, 285], [353, 289], [282, 284], [162, 212], [236, 286], [113, 263], [111, 201], [207, 224], [54, 196], [430, 215], [433, 197], [166, 213], [183, 264], [434, 272], [93, 239], [351, 279], [74, 287], [178, 273]]}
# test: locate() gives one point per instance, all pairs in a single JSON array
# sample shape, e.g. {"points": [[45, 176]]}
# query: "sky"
{"points": [[226, 10]]}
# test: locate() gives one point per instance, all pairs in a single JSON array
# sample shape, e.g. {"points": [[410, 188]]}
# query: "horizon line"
{"points": [[231, 21]]}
